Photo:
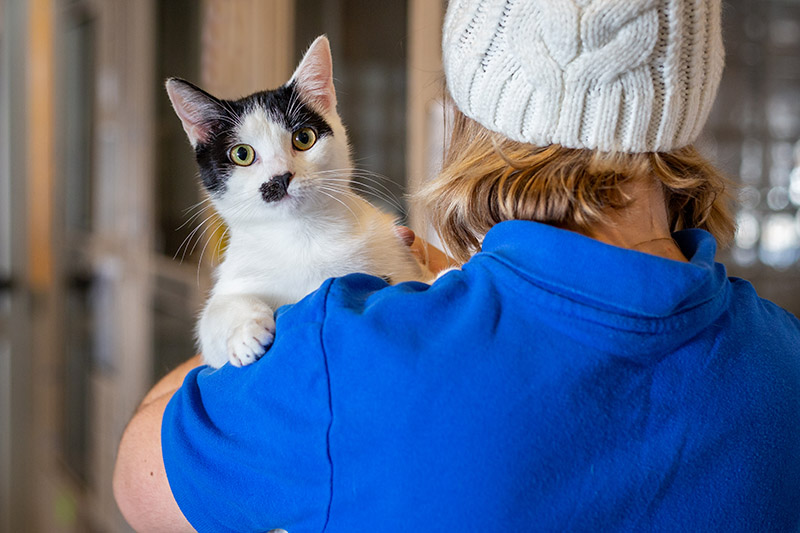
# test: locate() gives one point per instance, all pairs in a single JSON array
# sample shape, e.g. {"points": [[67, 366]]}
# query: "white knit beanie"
{"points": [[624, 75]]}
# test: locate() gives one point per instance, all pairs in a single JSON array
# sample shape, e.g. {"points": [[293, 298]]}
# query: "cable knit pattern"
{"points": [[627, 75]]}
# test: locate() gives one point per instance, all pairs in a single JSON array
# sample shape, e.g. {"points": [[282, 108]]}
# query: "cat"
{"points": [[277, 168]]}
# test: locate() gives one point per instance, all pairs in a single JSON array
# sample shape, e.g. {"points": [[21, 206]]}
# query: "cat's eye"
{"points": [[242, 155], [304, 138]]}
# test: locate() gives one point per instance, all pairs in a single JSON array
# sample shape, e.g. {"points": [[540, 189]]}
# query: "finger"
{"points": [[406, 235], [430, 256]]}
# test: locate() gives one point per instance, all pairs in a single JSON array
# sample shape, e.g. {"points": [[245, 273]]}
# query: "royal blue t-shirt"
{"points": [[554, 383]]}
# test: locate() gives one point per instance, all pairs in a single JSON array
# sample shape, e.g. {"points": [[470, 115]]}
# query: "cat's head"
{"points": [[271, 153]]}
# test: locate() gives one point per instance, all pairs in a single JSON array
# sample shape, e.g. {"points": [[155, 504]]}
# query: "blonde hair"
{"points": [[487, 178]]}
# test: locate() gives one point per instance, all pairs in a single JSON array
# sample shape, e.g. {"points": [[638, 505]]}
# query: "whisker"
{"points": [[391, 202], [366, 189], [219, 251], [187, 240], [293, 109], [340, 194], [333, 197], [218, 219], [202, 253], [377, 195], [373, 177], [194, 217], [198, 204]]}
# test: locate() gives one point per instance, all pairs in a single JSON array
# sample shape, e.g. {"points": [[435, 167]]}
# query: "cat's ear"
{"points": [[197, 109], [314, 76]]}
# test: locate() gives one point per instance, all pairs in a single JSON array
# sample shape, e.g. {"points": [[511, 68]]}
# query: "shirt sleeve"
{"points": [[246, 449]]}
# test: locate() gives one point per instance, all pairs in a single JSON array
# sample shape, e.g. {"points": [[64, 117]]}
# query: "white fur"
{"points": [[278, 262], [280, 251]]}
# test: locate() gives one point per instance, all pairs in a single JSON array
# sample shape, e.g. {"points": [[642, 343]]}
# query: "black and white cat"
{"points": [[277, 167]]}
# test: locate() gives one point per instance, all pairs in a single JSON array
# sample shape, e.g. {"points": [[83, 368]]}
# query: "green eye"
{"points": [[304, 138], [242, 155]]}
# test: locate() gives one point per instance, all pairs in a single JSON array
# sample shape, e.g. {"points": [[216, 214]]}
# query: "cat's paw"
{"points": [[236, 329], [251, 340]]}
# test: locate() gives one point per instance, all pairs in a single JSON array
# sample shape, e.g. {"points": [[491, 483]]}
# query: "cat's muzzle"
{"points": [[275, 189]]}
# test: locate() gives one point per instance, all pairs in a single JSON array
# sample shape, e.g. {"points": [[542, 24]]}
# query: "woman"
{"points": [[588, 367]]}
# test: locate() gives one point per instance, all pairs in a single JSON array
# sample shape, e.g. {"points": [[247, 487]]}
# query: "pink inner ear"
{"points": [[193, 124], [314, 76], [190, 109], [197, 134]]}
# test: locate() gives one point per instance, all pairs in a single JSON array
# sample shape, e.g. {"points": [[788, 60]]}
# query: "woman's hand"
{"points": [[427, 255]]}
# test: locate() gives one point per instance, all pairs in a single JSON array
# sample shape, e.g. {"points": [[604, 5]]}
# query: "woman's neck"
{"points": [[643, 225]]}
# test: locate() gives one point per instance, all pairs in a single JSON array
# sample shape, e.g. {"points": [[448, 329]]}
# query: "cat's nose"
{"points": [[283, 179], [275, 189]]}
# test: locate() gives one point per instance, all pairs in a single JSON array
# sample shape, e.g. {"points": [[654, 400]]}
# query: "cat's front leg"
{"points": [[236, 329]]}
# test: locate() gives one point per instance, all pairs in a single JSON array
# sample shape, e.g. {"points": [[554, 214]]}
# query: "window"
{"points": [[754, 134]]}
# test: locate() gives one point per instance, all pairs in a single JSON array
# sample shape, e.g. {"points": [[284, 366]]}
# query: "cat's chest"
{"points": [[284, 270]]}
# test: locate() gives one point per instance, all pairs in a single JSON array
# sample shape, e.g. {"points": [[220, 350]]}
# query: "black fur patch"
{"points": [[283, 105], [212, 158], [276, 188], [286, 107]]}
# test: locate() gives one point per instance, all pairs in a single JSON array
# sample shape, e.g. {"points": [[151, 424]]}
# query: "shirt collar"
{"points": [[610, 286]]}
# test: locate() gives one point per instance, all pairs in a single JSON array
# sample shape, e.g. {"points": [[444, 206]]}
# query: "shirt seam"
{"points": [[647, 324], [330, 403]]}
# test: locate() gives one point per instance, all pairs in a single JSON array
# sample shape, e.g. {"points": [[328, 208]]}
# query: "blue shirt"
{"points": [[555, 383]]}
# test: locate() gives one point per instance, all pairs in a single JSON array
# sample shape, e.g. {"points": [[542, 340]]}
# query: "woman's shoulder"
{"points": [[365, 296], [762, 315]]}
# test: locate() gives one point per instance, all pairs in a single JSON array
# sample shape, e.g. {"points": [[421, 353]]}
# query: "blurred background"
{"points": [[101, 269]]}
